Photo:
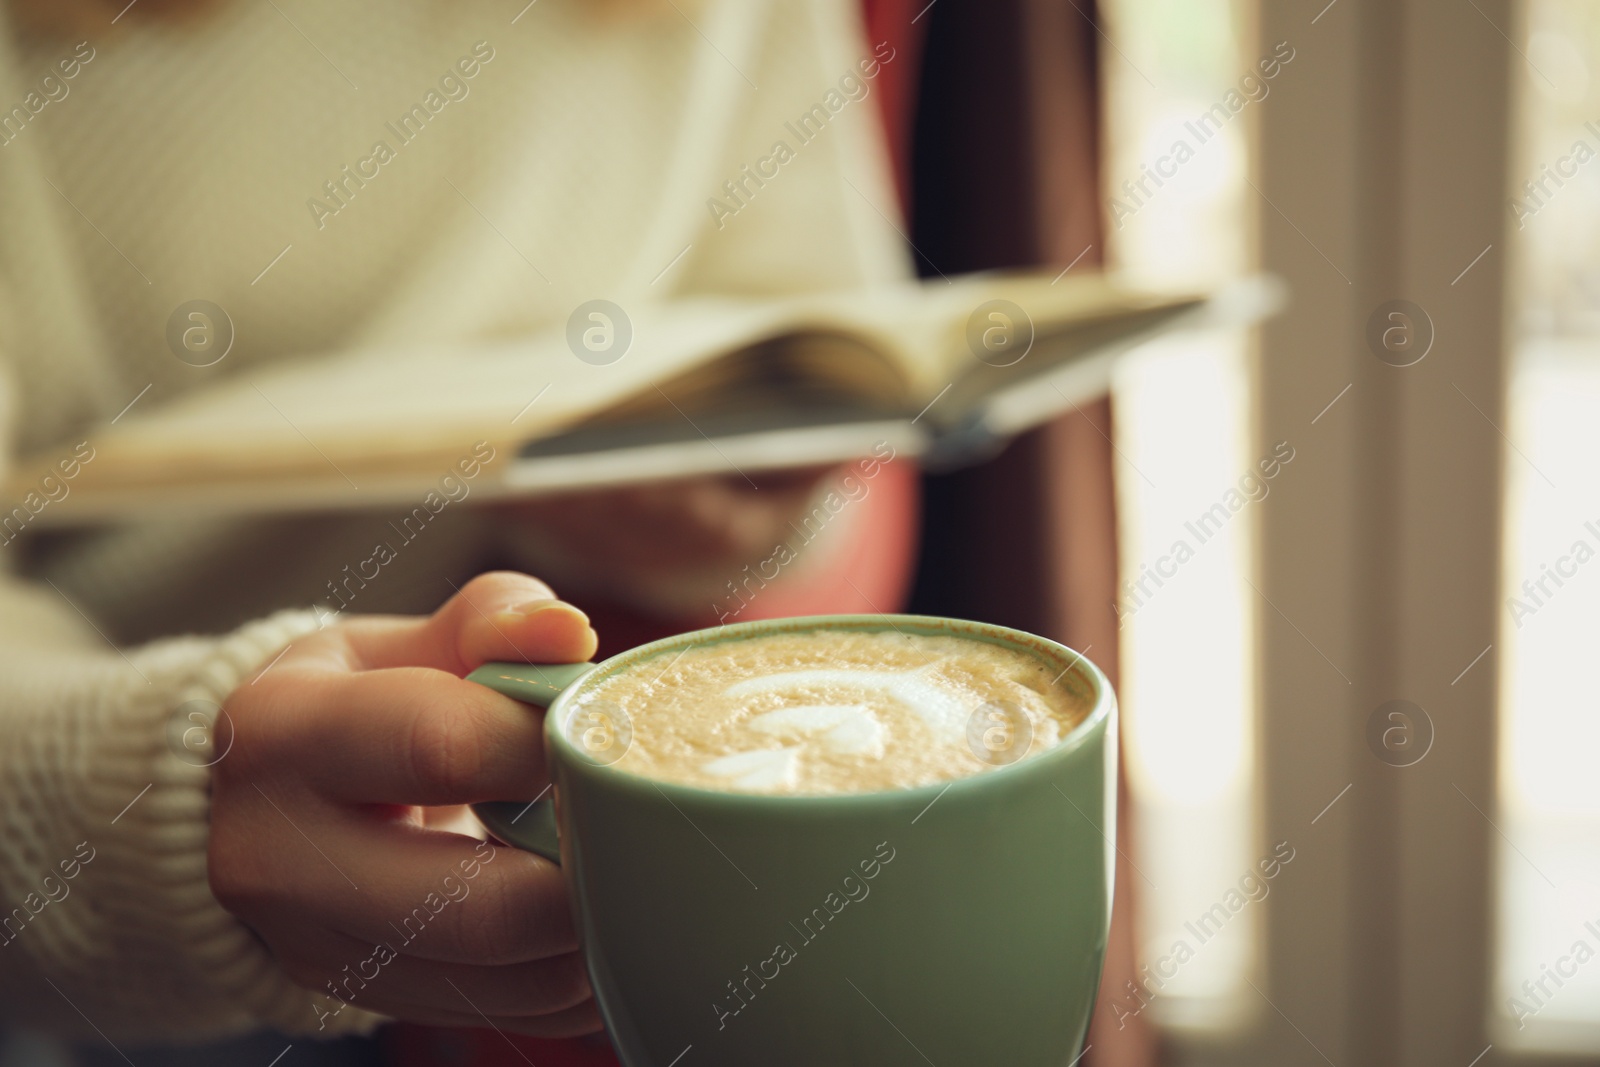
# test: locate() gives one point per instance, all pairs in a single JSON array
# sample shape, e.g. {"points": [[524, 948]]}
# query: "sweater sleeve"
{"points": [[108, 923], [108, 928], [803, 199]]}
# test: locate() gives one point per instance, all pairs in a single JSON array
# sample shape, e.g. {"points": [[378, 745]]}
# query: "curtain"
{"points": [[1004, 172]]}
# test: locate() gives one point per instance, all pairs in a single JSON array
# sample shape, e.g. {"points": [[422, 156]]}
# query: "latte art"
{"points": [[831, 711]]}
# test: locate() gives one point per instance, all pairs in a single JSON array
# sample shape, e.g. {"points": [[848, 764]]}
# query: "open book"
{"points": [[940, 370]]}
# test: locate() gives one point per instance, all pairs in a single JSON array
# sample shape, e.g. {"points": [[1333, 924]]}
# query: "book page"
{"points": [[381, 411], [377, 415], [932, 329]]}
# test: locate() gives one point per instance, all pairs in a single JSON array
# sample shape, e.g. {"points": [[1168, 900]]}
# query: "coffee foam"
{"points": [[829, 711]]}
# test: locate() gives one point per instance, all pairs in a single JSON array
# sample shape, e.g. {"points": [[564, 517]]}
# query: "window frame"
{"points": [[1381, 169]]}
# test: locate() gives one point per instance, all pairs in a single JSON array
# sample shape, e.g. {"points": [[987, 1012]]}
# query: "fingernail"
{"points": [[536, 607]]}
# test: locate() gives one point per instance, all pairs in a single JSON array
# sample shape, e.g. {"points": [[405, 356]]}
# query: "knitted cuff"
{"points": [[209, 971]]}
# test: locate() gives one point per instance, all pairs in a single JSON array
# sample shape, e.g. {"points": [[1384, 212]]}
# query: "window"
{"points": [[1547, 975], [1176, 182], [1428, 885]]}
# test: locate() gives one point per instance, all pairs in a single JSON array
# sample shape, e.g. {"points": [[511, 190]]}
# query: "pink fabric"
{"points": [[892, 21], [871, 573]]}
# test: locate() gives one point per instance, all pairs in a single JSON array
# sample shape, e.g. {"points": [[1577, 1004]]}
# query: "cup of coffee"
{"points": [[879, 840]]}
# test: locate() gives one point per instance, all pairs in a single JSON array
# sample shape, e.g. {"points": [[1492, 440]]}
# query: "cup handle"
{"points": [[531, 827]]}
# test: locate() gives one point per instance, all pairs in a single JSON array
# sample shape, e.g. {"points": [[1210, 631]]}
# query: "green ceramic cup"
{"points": [[961, 923]]}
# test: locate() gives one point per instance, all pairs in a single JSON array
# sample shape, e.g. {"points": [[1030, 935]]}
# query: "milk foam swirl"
{"points": [[850, 729], [831, 711]]}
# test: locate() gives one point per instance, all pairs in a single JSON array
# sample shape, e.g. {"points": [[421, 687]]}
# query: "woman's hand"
{"points": [[639, 535], [319, 836]]}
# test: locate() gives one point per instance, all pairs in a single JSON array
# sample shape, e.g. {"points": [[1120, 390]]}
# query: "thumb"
{"points": [[504, 615]]}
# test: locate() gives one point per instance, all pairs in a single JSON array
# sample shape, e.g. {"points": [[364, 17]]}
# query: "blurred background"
{"points": [[1352, 669]]}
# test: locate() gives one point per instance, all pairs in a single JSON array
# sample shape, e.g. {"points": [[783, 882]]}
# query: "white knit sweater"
{"points": [[534, 158]]}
